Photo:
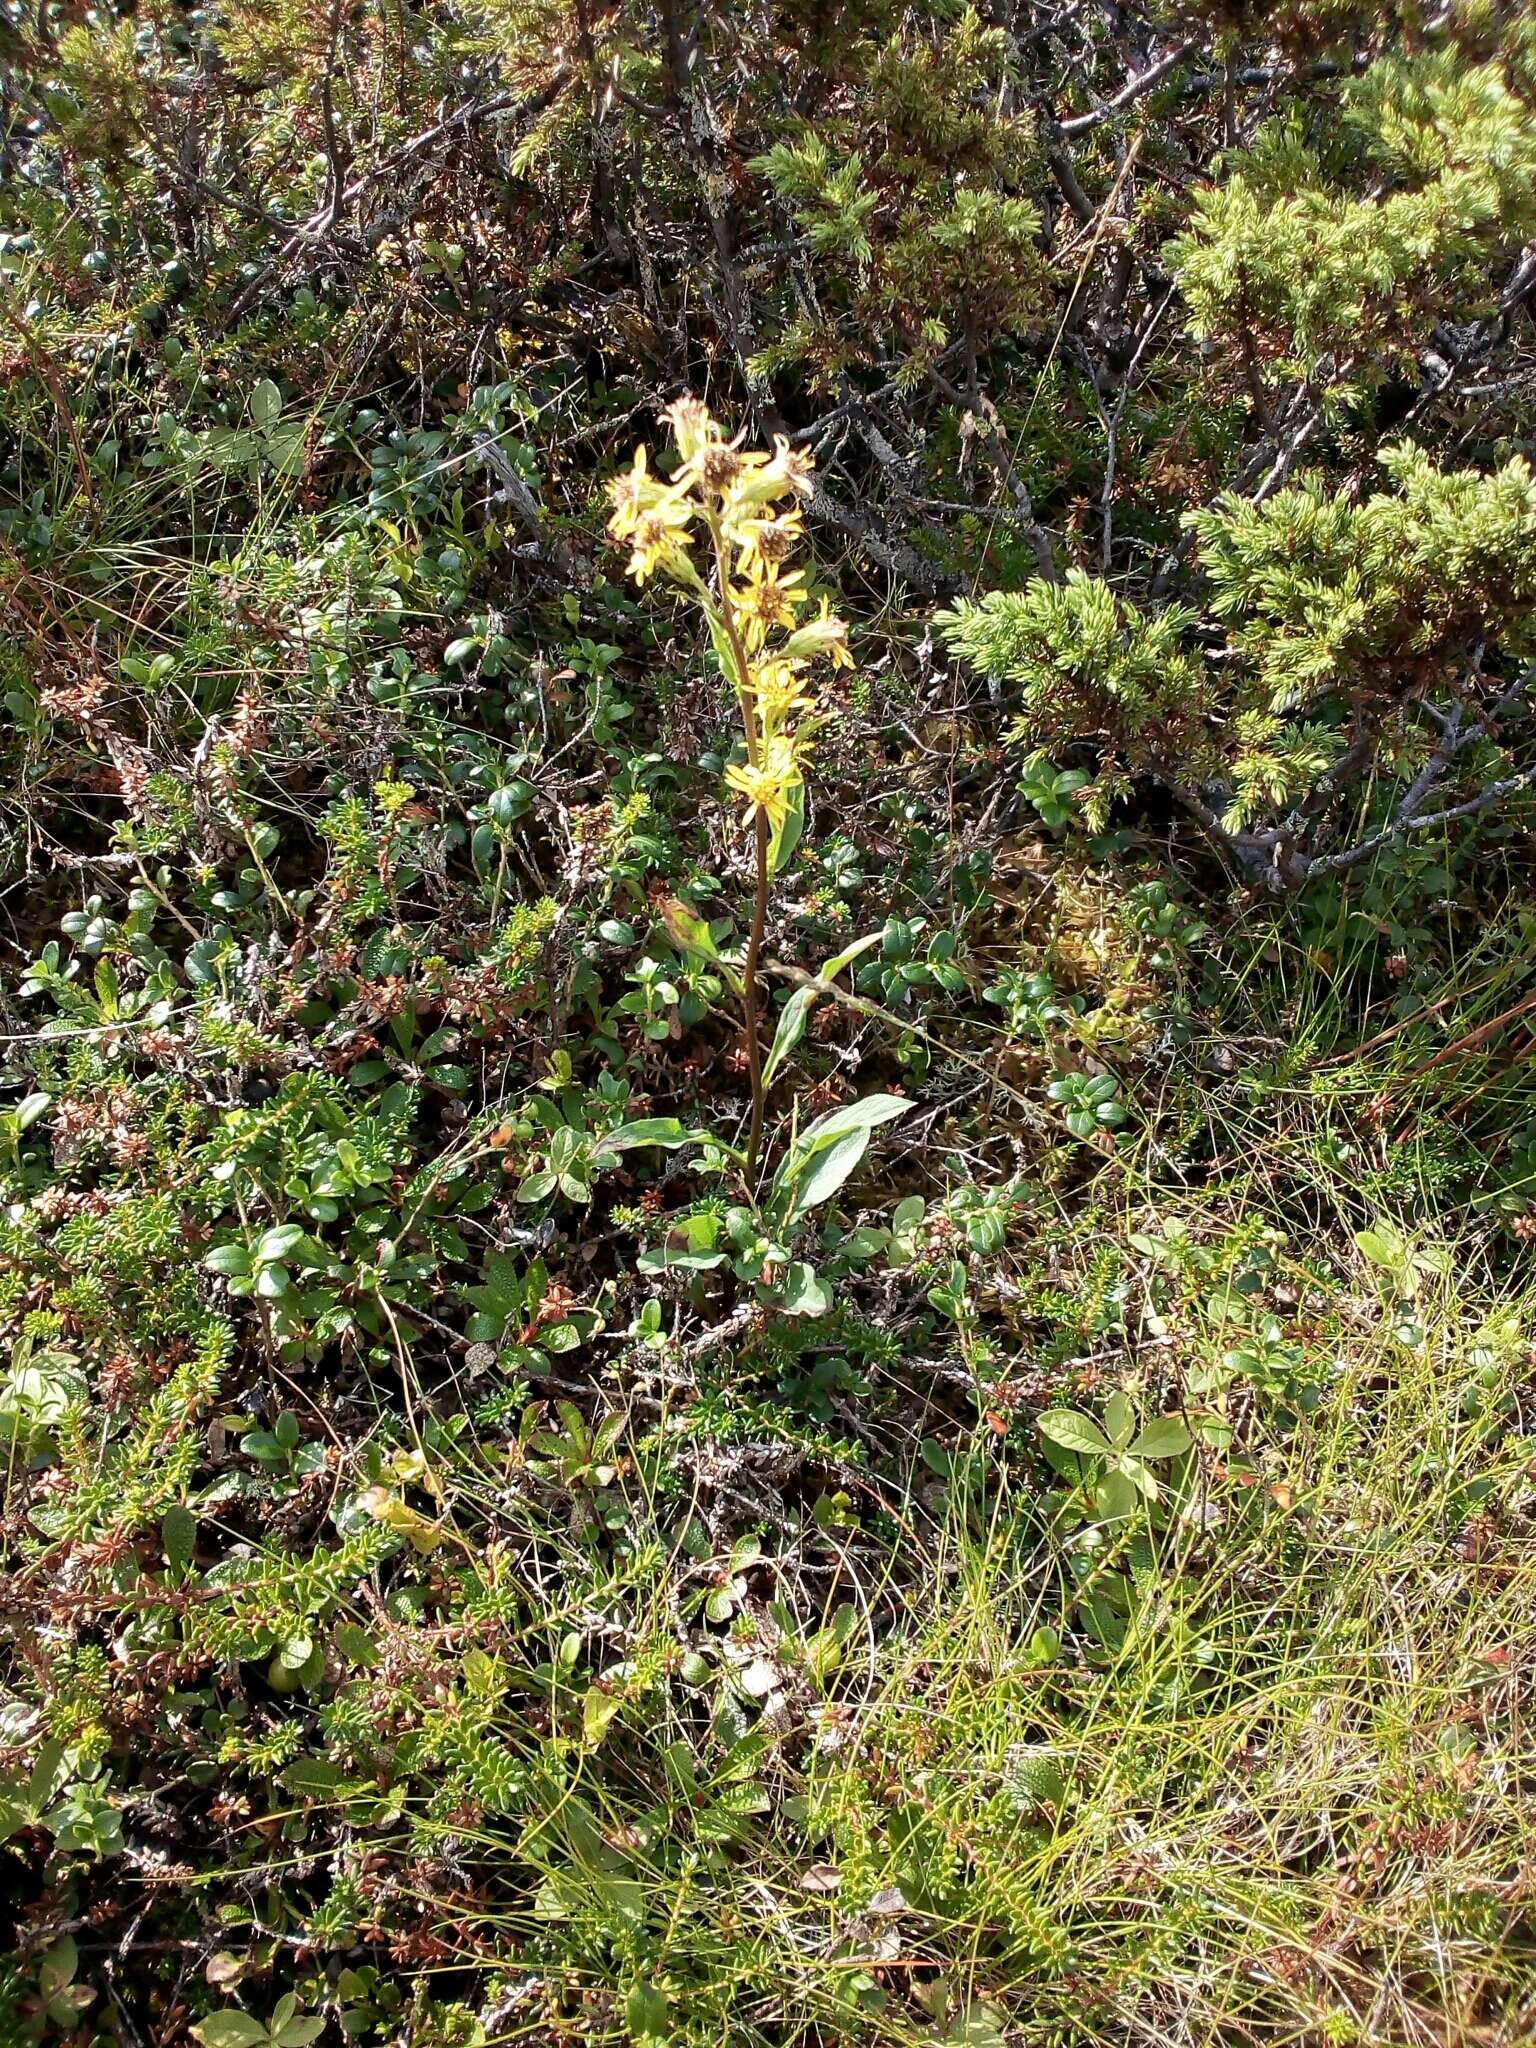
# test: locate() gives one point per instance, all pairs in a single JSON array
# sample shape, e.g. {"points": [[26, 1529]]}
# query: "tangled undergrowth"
{"points": [[765, 1206]]}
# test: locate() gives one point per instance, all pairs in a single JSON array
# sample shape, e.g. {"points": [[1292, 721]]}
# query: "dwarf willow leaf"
{"points": [[1075, 1432]]}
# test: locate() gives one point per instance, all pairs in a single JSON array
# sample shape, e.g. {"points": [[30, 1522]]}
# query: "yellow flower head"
{"points": [[760, 535], [657, 545], [768, 783], [632, 494], [778, 692], [692, 427], [769, 599], [797, 470], [767, 478], [825, 634]]}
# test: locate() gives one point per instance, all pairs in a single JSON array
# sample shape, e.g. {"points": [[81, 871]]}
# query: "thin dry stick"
{"points": [[1473, 1040], [47, 370], [1353, 1052]]}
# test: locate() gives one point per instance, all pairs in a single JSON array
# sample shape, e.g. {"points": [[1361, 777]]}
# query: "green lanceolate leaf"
{"points": [[832, 968], [786, 834], [665, 1131], [825, 1172], [823, 1157], [791, 1030]]}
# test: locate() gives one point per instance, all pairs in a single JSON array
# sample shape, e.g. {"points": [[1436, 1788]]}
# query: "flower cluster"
{"points": [[742, 505]]}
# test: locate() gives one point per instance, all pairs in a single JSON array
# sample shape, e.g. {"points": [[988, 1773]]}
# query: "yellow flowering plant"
{"points": [[722, 528]]}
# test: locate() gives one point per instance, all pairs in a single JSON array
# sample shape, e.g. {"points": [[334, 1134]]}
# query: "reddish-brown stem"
{"points": [[749, 990], [749, 993]]}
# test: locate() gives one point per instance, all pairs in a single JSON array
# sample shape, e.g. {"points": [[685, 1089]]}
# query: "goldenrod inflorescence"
{"points": [[744, 504]]}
